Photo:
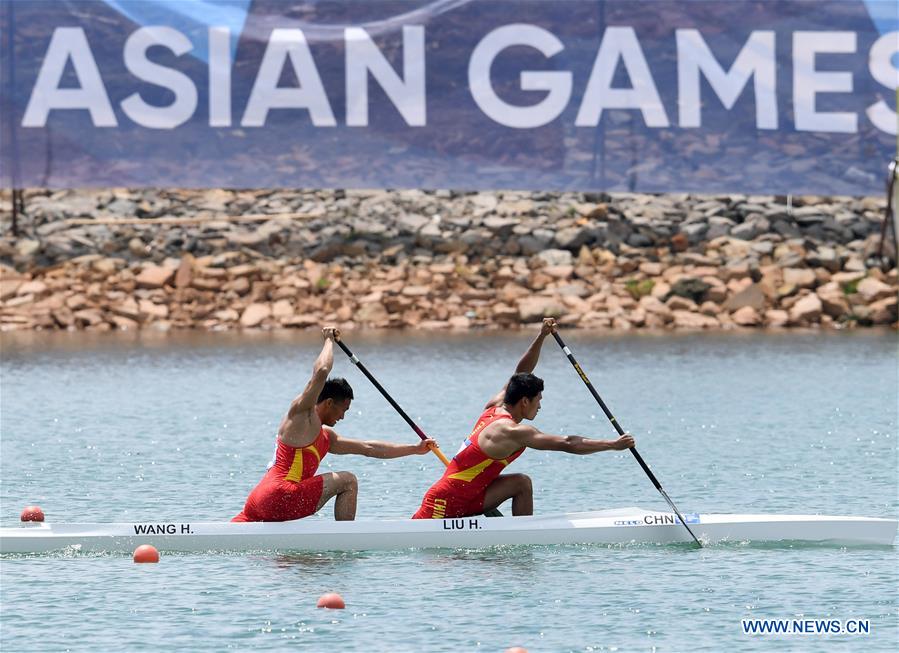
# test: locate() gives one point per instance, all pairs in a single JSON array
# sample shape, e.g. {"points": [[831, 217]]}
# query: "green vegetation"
{"points": [[638, 289], [322, 284], [850, 287]]}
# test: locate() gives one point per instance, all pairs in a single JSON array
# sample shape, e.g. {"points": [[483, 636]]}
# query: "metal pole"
{"points": [[15, 212], [17, 202], [889, 216]]}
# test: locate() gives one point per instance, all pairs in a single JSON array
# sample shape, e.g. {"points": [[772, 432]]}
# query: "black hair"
{"points": [[337, 389], [522, 385]]}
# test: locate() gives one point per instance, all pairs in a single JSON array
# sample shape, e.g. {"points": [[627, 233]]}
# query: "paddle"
{"points": [[620, 430], [346, 350]]}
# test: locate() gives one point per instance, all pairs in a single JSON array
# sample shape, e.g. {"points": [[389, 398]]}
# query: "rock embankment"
{"points": [[123, 259]]}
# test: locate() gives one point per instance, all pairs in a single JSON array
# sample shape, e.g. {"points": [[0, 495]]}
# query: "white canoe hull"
{"points": [[620, 526]]}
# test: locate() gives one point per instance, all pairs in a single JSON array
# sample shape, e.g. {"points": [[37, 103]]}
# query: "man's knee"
{"points": [[347, 481], [523, 483]]}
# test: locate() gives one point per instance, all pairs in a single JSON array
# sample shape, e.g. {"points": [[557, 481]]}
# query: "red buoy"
{"points": [[331, 601], [146, 553], [32, 513]]}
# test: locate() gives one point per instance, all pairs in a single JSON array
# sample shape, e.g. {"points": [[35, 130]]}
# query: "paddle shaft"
{"points": [[437, 452], [389, 399], [633, 450]]}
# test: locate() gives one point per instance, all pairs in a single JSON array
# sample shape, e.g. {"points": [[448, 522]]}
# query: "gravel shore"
{"points": [[227, 259]]}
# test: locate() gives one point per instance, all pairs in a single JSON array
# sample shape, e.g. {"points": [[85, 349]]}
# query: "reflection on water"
{"points": [[334, 560], [518, 558]]}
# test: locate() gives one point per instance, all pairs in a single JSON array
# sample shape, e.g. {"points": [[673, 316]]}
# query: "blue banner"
{"points": [[752, 96]]}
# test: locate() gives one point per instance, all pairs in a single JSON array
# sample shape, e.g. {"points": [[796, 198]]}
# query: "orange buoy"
{"points": [[32, 513], [146, 553], [331, 601], [516, 649]]}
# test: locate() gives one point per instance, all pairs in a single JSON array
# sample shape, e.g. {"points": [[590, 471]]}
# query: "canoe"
{"points": [[618, 526]]}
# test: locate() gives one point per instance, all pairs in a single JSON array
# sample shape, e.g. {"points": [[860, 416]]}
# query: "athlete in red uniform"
{"points": [[472, 483], [291, 489]]}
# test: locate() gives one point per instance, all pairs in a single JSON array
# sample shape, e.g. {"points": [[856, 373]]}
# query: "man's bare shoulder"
{"points": [[522, 431], [504, 437], [506, 429], [299, 429]]}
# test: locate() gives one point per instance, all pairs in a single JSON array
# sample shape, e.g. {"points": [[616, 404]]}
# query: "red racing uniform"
{"points": [[290, 489], [460, 491]]}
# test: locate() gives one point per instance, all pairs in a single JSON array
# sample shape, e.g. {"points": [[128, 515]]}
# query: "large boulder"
{"points": [[148, 310], [154, 276], [806, 310], [532, 309], [254, 314], [869, 288], [883, 311], [556, 257], [184, 274], [372, 312], [677, 303], [751, 296], [799, 277], [691, 288], [746, 316], [690, 320], [9, 287], [833, 300], [776, 317], [654, 306]]}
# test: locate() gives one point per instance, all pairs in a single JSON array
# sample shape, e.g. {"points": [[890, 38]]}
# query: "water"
{"points": [[171, 428]]}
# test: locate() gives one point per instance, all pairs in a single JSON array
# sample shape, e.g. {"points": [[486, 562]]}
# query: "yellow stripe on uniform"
{"points": [[470, 473], [296, 467], [439, 509]]}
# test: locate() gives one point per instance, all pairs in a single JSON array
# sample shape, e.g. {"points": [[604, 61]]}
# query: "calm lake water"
{"points": [[180, 427]]}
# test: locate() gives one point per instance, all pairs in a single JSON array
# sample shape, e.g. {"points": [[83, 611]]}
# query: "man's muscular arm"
{"points": [[528, 362], [575, 444], [377, 449], [305, 402]]}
